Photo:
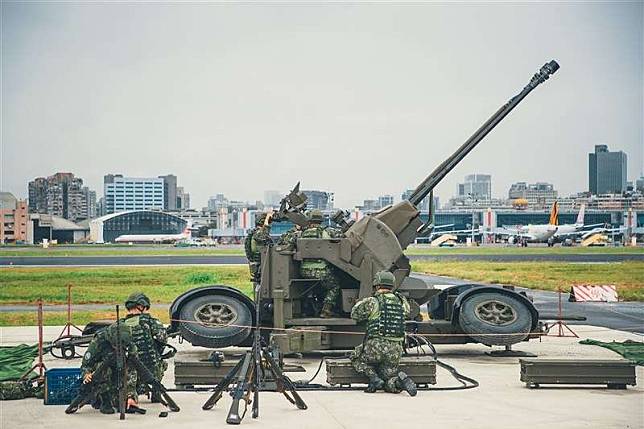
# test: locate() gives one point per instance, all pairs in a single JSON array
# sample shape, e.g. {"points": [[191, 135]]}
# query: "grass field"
{"points": [[627, 276], [59, 318], [112, 285]]}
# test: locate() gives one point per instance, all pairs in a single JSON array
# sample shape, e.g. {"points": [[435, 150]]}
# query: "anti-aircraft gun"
{"points": [[219, 316]]}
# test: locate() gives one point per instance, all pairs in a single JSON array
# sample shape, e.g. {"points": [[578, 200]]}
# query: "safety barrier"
{"points": [[594, 293]]}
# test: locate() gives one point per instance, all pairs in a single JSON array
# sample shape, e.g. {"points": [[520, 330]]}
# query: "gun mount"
{"points": [[460, 314]]}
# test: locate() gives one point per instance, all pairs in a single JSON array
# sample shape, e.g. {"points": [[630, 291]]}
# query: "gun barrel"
{"points": [[446, 166]]}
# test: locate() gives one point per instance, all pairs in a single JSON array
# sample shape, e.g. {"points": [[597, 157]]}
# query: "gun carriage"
{"points": [[220, 316]]}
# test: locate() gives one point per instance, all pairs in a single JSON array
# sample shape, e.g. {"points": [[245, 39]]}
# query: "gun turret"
{"points": [[385, 234]]}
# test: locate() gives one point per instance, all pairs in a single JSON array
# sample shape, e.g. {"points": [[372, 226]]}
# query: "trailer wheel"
{"points": [[215, 321], [495, 319]]}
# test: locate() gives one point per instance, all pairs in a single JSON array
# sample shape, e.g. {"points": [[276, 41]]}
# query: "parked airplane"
{"points": [[532, 233], [154, 238]]}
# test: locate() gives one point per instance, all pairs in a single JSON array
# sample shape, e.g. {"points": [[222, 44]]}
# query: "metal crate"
{"points": [[421, 370], [616, 374]]}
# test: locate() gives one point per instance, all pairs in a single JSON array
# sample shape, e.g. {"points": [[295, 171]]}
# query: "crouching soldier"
{"points": [[379, 355], [100, 375], [150, 338]]}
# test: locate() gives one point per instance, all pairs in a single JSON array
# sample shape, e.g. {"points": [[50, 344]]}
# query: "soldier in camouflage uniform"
{"points": [[101, 348], [150, 337], [320, 269], [379, 355], [289, 238], [257, 238]]}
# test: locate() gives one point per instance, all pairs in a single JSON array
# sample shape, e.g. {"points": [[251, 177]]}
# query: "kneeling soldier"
{"points": [[150, 337], [379, 355]]}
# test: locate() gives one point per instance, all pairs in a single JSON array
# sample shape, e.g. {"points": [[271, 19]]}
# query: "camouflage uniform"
{"points": [[150, 337], [320, 269], [379, 355], [100, 349], [257, 238], [10, 390], [289, 238]]}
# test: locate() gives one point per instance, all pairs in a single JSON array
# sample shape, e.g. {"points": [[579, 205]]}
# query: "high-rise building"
{"points": [[183, 199], [606, 171], [320, 200], [217, 202], [639, 184], [100, 207], [13, 219], [133, 193], [60, 195], [538, 195], [476, 187], [169, 191], [89, 203]]}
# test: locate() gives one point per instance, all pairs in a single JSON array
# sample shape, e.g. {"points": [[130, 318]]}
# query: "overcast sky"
{"points": [[358, 99]]}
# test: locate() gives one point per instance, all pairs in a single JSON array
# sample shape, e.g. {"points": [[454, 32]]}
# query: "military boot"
{"points": [[106, 405], [375, 383], [407, 384]]}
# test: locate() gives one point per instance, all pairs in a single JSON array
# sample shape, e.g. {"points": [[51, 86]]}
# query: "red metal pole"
{"points": [[40, 340], [69, 309]]}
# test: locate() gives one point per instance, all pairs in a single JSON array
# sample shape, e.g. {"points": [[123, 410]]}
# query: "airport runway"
{"points": [[234, 259]]}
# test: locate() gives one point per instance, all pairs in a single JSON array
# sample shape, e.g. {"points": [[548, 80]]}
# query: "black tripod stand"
{"points": [[247, 377]]}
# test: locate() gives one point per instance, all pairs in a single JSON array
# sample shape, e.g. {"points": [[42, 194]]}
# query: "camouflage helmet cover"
{"points": [[315, 215], [260, 218], [384, 279], [137, 298]]}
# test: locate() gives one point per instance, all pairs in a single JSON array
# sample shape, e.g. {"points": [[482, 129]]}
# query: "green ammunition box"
{"points": [[616, 374], [421, 369]]}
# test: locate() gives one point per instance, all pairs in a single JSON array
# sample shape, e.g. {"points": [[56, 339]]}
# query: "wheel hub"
{"points": [[495, 313], [215, 314]]}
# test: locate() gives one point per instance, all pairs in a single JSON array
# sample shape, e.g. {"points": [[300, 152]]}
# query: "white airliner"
{"points": [[154, 238], [533, 233]]}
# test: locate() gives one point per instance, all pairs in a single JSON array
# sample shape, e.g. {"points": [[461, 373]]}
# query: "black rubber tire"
{"points": [[495, 335], [215, 337]]}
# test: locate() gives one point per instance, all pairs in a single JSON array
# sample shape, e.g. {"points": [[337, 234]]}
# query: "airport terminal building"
{"points": [[107, 228]]}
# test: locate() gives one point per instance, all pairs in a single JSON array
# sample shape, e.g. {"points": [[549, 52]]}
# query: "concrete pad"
{"points": [[501, 401]]}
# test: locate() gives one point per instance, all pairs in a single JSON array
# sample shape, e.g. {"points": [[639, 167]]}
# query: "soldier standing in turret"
{"points": [[319, 269], [379, 355], [149, 336], [257, 238]]}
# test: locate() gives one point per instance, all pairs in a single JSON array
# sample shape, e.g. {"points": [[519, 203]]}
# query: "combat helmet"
{"points": [[259, 219], [384, 279], [315, 216], [137, 298]]}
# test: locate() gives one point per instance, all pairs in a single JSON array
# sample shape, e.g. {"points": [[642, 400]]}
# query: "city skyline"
{"points": [[129, 92]]}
